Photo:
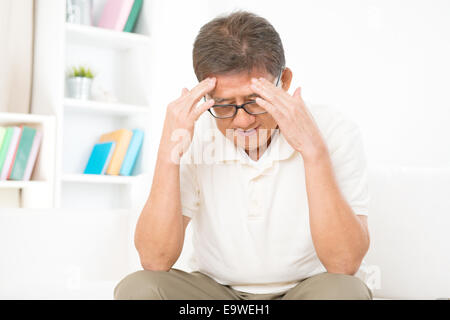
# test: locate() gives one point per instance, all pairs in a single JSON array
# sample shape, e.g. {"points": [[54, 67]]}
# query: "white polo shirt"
{"points": [[250, 218]]}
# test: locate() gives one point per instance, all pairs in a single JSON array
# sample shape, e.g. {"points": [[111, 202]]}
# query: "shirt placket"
{"points": [[254, 191]]}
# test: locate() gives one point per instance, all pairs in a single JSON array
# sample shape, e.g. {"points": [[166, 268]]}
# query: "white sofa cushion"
{"points": [[409, 223]]}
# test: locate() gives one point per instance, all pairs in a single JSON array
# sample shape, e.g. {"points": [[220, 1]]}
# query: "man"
{"points": [[282, 211]]}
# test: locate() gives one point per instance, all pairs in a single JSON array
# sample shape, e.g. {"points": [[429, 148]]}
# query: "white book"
{"points": [[33, 155], [11, 152]]}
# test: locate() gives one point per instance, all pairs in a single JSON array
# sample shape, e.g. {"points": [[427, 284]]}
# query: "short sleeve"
{"points": [[189, 189], [350, 167]]}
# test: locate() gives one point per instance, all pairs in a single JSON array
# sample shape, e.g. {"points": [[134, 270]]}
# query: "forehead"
{"points": [[236, 84]]}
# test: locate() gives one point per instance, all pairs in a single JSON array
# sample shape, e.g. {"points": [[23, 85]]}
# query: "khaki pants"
{"points": [[179, 285]]}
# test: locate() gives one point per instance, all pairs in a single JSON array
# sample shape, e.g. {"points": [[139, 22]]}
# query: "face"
{"points": [[245, 130]]}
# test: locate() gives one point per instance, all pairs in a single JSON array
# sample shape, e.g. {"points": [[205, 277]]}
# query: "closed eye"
{"points": [[220, 103], [224, 101], [224, 105]]}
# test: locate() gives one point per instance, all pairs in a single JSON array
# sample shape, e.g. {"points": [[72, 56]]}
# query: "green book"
{"points": [[5, 145], [2, 135], [23, 152], [132, 17]]}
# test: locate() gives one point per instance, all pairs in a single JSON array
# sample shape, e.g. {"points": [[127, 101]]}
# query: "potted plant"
{"points": [[79, 83]]}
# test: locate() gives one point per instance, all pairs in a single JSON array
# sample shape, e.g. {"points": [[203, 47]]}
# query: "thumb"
{"points": [[184, 91], [297, 93]]}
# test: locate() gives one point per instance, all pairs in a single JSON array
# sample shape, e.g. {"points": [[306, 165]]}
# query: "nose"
{"points": [[243, 120]]}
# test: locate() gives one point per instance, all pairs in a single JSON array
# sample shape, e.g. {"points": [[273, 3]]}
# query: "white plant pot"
{"points": [[79, 88]]}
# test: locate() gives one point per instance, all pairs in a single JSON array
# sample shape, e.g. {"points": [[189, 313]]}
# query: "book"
{"points": [[33, 155], [99, 158], [4, 143], [22, 154], [11, 152], [134, 13], [115, 14], [132, 153], [122, 138], [2, 134]]}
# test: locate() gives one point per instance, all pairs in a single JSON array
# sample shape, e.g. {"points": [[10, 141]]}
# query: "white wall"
{"points": [[384, 63]]}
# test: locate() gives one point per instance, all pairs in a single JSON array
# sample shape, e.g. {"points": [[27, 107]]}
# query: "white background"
{"points": [[383, 63]]}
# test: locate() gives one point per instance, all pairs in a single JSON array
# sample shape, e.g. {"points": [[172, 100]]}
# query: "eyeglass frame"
{"points": [[242, 106]]}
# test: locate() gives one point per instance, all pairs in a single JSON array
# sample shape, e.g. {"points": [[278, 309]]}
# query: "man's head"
{"points": [[234, 49]]}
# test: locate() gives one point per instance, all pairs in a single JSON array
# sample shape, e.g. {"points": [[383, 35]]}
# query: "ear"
{"points": [[286, 79]]}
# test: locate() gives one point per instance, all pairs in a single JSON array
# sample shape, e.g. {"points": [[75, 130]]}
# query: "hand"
{"points": [[181, 116], [293, 118]]}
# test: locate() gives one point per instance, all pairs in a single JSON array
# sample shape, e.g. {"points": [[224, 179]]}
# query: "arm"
{"points": [[160, 228], [159, 234], [341, 238]]}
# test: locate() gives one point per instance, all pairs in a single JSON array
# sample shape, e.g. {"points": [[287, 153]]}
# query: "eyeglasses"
{"points": [[225, 111]]}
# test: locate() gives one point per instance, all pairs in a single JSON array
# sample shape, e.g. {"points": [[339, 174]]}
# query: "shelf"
{"points": [[104, 38], [97, 178], [6, 117], [10, 184], [123, 62], [105, 107]]}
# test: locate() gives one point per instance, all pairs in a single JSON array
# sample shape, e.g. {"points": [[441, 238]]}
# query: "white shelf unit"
{"points": [[99, 37], [94, 178], [38, 191], [121, 63], [96, 107]]}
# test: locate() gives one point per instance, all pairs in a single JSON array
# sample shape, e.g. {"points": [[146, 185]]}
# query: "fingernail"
{"points": [[254, 79]]}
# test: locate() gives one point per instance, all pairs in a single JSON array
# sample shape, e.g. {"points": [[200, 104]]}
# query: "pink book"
{"points": [[9, 160], [33, 155], [115, 14]]}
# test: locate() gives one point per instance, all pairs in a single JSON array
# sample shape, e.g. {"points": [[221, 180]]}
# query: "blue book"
{"points": [[132, 153], [100, 156]]}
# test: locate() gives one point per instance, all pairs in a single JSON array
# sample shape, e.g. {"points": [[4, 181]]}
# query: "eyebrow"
{"points": [[218, 100]]}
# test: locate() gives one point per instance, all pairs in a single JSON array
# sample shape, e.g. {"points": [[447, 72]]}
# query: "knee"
{"points": [[332, 286], [141, 285], [343, 287]]}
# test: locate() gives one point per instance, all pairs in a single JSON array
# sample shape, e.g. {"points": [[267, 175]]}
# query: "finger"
{"points": [[298, 96], [267, 106], [273, 100], [276, 103], [184, 92], [200, 90], [297, 93], [268, 92], [200, 108], [282, 98], [277, 92]]}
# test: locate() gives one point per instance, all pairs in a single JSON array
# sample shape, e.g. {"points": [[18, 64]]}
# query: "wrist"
{"points": [[172, 147], [169, 152], [316, 156]]}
